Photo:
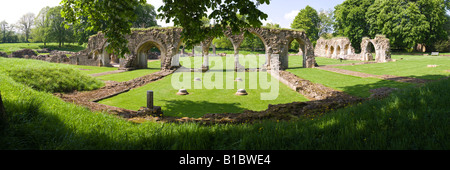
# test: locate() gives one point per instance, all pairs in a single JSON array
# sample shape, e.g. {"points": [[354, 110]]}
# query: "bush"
{"points": [[442, 46]]}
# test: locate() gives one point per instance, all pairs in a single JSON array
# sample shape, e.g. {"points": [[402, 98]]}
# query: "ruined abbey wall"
{"points": [[340, 47], [168, 41]]}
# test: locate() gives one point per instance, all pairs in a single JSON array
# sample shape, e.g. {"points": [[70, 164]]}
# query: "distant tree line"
{"points": [[50, 26]]}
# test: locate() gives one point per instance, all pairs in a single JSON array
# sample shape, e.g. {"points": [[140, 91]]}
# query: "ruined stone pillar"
{"points": [[150, 99], [205, 55], [105, 58], [284, 57]]}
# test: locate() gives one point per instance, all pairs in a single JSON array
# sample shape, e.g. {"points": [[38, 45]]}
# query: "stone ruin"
{"points": [[55, 56], [340, 47], [168, 41]]}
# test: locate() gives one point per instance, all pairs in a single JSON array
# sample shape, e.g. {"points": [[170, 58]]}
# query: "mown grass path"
{"points": [[364, 75]]}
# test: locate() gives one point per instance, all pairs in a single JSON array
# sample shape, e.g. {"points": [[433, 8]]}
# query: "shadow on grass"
{"points": [[362, 90], [429, 77], [196, 109]]}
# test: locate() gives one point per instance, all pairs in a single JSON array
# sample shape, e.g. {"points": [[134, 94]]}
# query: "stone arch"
{"points": [[347, 49], [332, 52], [258, 34], [302, 48], [338, 51], [367, 48], [142, 51]]}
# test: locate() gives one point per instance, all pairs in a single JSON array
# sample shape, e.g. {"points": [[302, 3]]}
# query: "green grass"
{"points": [[205, 97], [297, 61], [49, 77], [11, 47], [412, 119], [352, 85], [93, 69], [154, 66], [409, 66], [248, 61]]}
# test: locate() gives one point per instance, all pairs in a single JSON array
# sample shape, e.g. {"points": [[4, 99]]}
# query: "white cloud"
{"points": [[291, 15]]}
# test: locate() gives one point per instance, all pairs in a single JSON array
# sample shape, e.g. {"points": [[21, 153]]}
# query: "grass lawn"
{"points": [[93, 69], [410, 119], [11, 47], [352, 85], [248, 61], [153, 66], [204, 97], [409, 66], [414, 119], [297, 61]]}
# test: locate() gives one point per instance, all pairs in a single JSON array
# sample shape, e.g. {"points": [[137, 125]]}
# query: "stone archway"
{"points": [[142, 52], [382, 49], [332, 52], [338, 52], [347, 49], [168, 41]]}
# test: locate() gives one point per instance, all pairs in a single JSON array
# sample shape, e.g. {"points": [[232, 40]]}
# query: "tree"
{"points": [[350, 20], [434, 11], [308, 19], [326, 22], [25, 23], [58, 31], [113, 17], [3, 29], [81, 30], [42, 26], [146, 16], [189, 13], [408, 23], [223, 43]]}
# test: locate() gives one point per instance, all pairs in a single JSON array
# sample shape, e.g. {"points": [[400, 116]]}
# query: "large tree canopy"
{"points": [[113, 17], [189, 13], [350, 17], [146, 16], [406, 23], [308, 19]]}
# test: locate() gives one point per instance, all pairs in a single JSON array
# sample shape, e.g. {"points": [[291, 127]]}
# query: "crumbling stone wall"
{"points": [[341, 48], [382, 49], [22, 53], [168, 41]]}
